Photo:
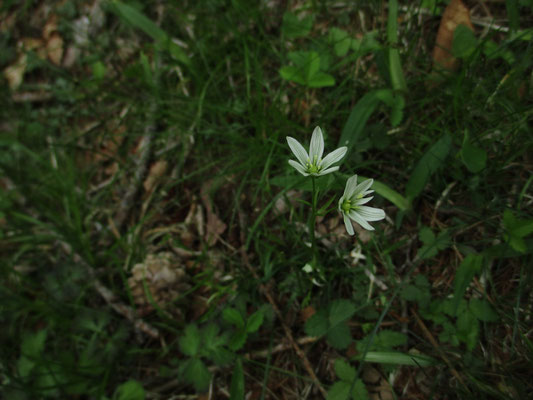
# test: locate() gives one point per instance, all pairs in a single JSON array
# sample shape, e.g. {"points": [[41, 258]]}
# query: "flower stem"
{"points": [[312, 223]]}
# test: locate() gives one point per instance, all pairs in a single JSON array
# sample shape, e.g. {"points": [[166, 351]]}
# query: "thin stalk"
{"points": [[312, 223]]}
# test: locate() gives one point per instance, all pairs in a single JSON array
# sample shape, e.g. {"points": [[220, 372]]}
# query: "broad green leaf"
{"points": [[190, 342], [432, 245], [294, 27], [464, 42], [237, 340], [340, 311], [339, 336], [397, 358], [317, 324], [516, 226], [390, 194], [340, 40], [221, 356], [293, 74], [254, 322], [237, 382], [339, 391], [483, 310], [31, 350], [468, 329], [470, 266], [359, 391], [130, 390], [353, 129], [196, 373], [387, 339], [428, 164], [234, 317], [473, 157], [344, 370], [321, 79]]}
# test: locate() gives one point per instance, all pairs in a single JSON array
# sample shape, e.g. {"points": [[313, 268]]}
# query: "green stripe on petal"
{"points": [[333, 157], [298, 167], [298, 150], [360, 220], [316, 149], [371, 213]]}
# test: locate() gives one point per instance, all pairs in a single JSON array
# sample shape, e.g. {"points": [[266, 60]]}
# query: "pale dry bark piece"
{"points": [[455, 14], [163, 275], [157, 170]]}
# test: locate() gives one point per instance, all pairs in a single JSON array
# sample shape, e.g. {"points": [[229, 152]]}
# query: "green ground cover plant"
{"points": [[174, 223]]}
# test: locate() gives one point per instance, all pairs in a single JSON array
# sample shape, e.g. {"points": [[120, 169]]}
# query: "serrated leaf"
{"points": [[339, 336], [320, 79], [31, 349], [344, 370], [432, 245], [196, 373], [293, 74], [483, 310], [428, 164], [237, 340], [237, 382], [359, 391], [387, 339], [339, 391], [130, 390], [221, 356], [468, 329], [233, 317], [340, 40], [189, 343], [426, 235], [340, 310], [470, 266], [209, 333], [317, 324], [294, 27], [254, 322], [410, 293]]}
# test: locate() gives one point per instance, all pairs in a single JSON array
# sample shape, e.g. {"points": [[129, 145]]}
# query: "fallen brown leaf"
{"points": [[455, 14]]}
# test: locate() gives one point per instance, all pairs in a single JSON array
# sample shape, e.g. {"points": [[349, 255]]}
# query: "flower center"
{"points": [[346, 206], [313, 167]]}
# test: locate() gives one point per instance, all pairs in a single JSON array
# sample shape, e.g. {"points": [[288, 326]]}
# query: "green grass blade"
{"points": [[397, 358], [395, 65], [428, 164], [353, 129]]}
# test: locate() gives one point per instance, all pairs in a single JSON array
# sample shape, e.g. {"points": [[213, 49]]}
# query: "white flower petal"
{"points": [[333, 157], [351, 185], [298, 150], [298, 167], [371, 213], [348, 225], [341, 200], [316, 149], [360, 220], [327, 171], [362, 201], [361, 188]]}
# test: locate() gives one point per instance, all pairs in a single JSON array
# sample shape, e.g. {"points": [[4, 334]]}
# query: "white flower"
{"points": [[313, 163], [351, 205]]}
